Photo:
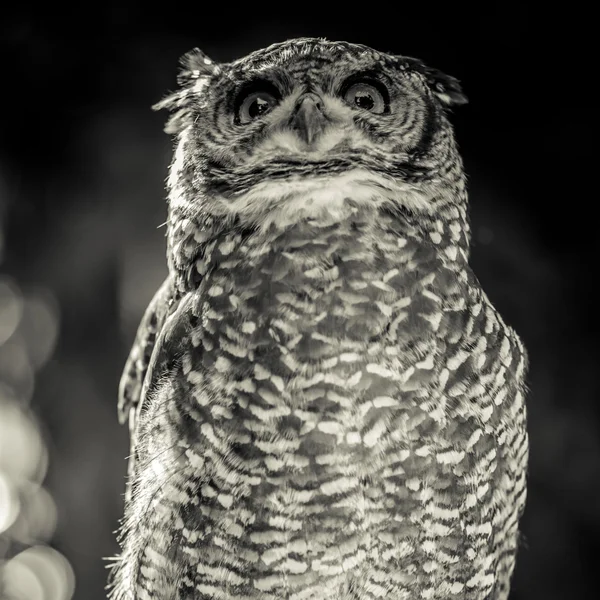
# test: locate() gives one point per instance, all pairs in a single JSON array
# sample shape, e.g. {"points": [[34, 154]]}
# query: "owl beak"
{"points": [[308, 120]]}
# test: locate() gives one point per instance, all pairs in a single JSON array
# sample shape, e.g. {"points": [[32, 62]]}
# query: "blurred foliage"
{"points": [[82, 168]]}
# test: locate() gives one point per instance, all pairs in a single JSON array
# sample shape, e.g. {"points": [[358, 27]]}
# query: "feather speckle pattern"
{"points": [[323, 402]]}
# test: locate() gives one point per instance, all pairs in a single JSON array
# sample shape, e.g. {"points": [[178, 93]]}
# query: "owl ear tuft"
{"points": [[196, 69], [194, 65], [445, 88]]}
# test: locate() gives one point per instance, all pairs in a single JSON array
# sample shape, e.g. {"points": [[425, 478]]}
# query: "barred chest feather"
{"points": [[342, 422]]}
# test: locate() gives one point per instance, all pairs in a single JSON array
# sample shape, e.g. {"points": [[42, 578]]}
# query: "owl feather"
{"points": [[324, 404]]}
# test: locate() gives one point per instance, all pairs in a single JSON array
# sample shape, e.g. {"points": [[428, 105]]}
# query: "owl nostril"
{"points": [[316, 101]]}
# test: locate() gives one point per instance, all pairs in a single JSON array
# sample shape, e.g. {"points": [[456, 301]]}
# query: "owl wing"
{"points": [[130, 386], [138, 364], [171, 343], [495, 364], [160, 345], [460, 371], [473, 487]]}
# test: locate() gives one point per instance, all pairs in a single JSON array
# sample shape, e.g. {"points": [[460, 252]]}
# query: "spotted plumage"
{"points": [[323, 402]]}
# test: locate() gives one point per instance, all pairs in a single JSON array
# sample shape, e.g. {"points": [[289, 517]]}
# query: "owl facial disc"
{"points": [[294, 131]]}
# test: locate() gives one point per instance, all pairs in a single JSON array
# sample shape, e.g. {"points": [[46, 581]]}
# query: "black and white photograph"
{"points": [[297, 303]]}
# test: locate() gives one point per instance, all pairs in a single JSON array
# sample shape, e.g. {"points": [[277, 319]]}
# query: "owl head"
{"points": [[311, 129]]}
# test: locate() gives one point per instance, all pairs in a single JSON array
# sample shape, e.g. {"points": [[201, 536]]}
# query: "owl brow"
{"points": [[373, 73], [272, 75]]}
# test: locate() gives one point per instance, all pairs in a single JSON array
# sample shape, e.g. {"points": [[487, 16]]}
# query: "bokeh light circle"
{"points": [[39, 573]]}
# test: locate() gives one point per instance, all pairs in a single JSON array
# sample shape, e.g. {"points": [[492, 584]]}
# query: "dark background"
{"points": [[82, 166]]}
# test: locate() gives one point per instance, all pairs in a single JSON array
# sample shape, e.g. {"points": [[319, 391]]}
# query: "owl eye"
{"points": [[366, 96], [255, 105]]}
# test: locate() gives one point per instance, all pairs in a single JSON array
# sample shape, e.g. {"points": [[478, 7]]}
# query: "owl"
{"points": [[323, 403]]}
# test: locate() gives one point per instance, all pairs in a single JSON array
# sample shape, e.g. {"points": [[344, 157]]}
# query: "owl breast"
{"points": [[308, 412]]}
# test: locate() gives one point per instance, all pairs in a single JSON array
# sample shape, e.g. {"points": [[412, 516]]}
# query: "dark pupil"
{"points": [[364, 100], [258, 107]]}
